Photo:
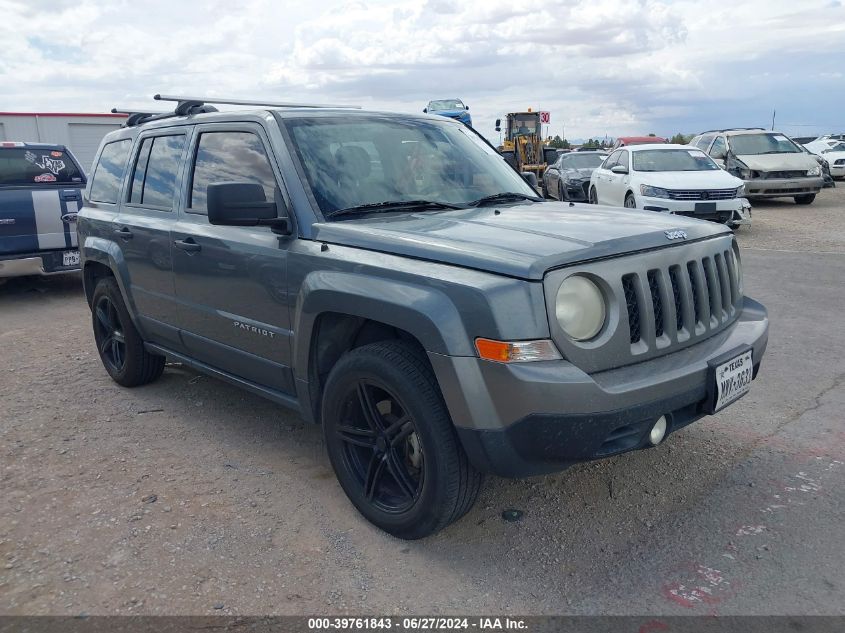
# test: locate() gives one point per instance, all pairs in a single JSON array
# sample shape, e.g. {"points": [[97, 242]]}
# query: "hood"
{"points": [[778, 162], [523, 241], [713, 179], [581, 173]]}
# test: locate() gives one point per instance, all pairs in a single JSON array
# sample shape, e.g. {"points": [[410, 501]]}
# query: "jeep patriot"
{"points": [[391, 278]]}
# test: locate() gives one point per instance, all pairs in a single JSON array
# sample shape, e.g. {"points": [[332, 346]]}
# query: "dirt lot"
{"points": [[191, 497]]}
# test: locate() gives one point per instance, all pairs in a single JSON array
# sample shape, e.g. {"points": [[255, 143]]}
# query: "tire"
{"points": [[410, 479], [561, 192], [630, 201], [805, 199], [120, 346], [594, 198]]}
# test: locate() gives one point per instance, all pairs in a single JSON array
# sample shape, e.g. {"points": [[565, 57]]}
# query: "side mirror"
{"points": [[531, 178], [619, 169], [243, 204], [425, 110], [467, 107], [498, 125], [720, 155]]}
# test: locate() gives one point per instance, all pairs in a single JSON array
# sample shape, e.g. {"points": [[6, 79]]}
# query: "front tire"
{"points": [[392, 444], [119, 344], [594, 198], [806, 199], [561, 192], [630, 201]]}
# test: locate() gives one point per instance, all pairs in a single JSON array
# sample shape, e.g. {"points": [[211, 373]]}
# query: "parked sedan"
{"points": [[568, 178], [833, 151], [670, 178]]}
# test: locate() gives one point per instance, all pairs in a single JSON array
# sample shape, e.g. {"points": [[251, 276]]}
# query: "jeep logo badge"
{"points": [[676, 234]]}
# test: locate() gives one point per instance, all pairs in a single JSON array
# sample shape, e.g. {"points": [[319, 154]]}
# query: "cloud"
{"points": [[600, 66]]}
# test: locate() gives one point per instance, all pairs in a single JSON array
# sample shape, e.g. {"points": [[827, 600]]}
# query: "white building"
{"points": [[81, 133]]}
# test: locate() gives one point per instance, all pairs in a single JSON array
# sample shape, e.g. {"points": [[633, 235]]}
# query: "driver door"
{"points": [[617, 184]]}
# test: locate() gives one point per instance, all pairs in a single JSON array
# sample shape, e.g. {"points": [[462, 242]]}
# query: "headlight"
{"points": [[740, 191], [580, 308], [653, 192], [815, 171]]}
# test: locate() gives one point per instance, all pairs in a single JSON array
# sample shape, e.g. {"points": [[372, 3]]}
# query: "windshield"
{"points": [[445, 104], [29, 166], [582, 161], [353, 161], [673, 160], [751, 144]]}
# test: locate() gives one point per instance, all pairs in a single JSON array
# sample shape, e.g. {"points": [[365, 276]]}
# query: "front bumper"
{"points": [[785, 187], [44, 263], [523, 419], [733, 211]]}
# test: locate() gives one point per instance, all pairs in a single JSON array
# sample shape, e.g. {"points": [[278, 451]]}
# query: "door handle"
{"points": [[124, 233], [188, 245]]}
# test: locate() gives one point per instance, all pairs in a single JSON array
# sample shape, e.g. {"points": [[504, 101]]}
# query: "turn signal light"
{"points": [[516, 351]]}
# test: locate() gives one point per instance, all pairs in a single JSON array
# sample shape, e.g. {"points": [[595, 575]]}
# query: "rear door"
{"points": [[40, 195], [142, 229], [231, 282]]}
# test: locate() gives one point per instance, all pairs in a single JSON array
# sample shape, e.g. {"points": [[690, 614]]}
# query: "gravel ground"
{"points": [[191, 497]]}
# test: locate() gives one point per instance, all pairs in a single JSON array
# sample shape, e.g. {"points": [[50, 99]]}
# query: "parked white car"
{"points": [[833, 151], [670, 178]]}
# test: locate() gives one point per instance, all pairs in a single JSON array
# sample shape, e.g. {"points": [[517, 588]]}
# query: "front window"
{"points": [[362, 160], [673, 160], [763, 143], [445, 104], [583, 161]]}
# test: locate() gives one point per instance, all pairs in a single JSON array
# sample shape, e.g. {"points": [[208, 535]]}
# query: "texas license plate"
{"points": [[70, 258], [733, 380]]}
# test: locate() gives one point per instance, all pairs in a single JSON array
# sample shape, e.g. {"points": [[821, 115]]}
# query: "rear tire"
{"points": [[392, 443], [119, 344], [806, 199]]}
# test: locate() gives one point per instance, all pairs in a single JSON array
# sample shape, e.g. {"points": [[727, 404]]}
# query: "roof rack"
{"points": [[245, 102], [186, 106], [733, 129]]}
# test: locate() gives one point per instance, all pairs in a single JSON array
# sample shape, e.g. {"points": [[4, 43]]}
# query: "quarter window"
{"points": [[108, 174], [229, 157], [156, 171]]}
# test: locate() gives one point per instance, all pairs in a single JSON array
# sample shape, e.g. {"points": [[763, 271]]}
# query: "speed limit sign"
{"points": [[545, 117]]}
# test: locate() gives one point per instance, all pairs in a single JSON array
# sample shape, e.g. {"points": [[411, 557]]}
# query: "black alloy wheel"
{"points": [[108, 333]]}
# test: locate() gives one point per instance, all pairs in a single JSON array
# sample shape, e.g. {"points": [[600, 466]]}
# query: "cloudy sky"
{"points": [[601, 67]]}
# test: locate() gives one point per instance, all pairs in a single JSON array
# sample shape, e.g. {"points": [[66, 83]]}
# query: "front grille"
{"points": [[683, 300], [794, 173], [702, 194]]}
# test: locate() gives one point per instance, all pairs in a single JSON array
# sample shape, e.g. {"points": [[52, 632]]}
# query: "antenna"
{"points": [[186, 102]]}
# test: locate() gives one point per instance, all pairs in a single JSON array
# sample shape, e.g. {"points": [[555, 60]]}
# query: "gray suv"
{"points": [[391, 278]]}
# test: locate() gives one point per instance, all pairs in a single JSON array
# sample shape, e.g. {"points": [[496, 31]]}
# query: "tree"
{"points": [[681, 139], [559, 143]]}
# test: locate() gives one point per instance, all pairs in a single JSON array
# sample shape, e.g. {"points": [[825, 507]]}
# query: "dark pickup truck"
{"points": [[40, 194]]}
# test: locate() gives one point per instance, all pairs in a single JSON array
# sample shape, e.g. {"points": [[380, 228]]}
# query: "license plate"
{"points": [[70, 258], [705, 206], [733, 380]]}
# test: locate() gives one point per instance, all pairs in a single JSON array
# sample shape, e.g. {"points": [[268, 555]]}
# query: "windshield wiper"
{"points": [[505, 196], [391, 205]]}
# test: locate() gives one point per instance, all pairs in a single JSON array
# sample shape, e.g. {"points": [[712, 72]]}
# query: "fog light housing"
{"points": [[658, 431]]}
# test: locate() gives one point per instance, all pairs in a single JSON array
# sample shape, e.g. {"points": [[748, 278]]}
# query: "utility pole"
{"points": [[773, 119]]}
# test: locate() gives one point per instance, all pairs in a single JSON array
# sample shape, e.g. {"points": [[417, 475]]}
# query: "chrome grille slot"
{"points": [[702, 194], [714, 293], [674, 278]]}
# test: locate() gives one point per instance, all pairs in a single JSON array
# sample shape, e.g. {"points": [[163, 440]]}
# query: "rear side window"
{"points": [[156, 171], [229, 157], [108, 174], [29, 166]]}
